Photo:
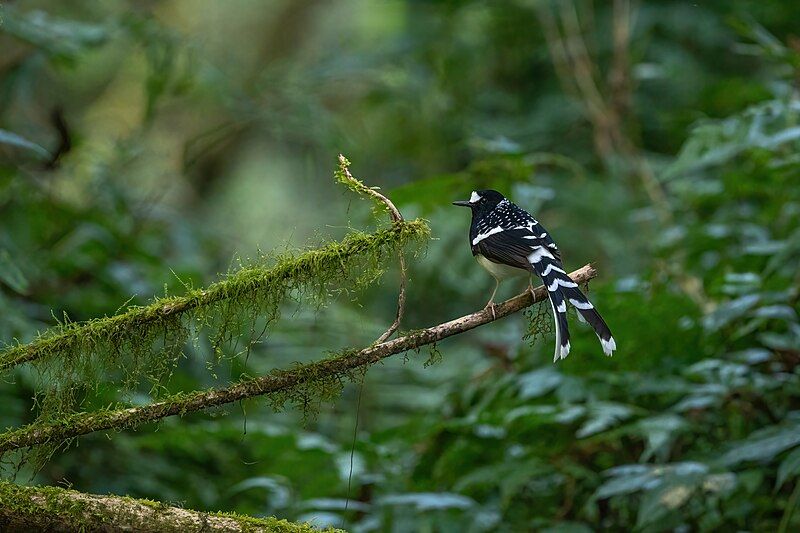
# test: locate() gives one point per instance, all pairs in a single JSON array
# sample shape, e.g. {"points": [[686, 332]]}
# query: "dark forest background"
{"points": [[146, 146]]}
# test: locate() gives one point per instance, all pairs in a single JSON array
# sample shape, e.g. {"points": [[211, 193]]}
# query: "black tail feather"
{"points": [[561, 325], [557, 281], [577, 299]]}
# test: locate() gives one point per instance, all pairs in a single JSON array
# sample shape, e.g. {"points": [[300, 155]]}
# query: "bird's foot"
{"points": [[530, 290], [490, 305]]}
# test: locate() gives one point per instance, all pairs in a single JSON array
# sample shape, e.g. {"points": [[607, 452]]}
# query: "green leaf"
{"points": [[17, 141], [538, 383], [10, 273], [334, 504], [767, 126], [660, 431], [781, 341], [58, 37], [729, 311], [279, 493], [663, 500], [601, 416], [628, 479], [764, 446], [533, 414], [429, 501], [789, 467]]}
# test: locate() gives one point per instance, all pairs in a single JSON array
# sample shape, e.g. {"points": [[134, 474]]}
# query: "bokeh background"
{"points": [[151, 144]]}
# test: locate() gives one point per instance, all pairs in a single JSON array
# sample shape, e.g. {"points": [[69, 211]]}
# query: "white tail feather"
{"points": [[556, 354]]}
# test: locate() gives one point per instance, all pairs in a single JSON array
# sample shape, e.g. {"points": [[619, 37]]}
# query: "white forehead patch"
{"points": [[474, 198]]}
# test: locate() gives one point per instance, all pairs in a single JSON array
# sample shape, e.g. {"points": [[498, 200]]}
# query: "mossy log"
{"points": [[55, 509]]}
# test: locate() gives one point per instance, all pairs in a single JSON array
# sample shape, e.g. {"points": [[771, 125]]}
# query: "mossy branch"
{"points": [[55, 509], [279, 385], [288, 273], [344, 176]]}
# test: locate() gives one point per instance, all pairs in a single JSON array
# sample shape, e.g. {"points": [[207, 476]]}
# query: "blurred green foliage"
{"points": [[146, 144]]}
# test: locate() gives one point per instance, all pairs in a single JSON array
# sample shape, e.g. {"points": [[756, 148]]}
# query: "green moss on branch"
{"points": [[54, 509], [314, 382], [254, 283], [140, 347]]}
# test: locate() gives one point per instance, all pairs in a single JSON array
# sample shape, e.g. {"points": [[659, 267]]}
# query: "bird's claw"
{"points": [[491, 306]]}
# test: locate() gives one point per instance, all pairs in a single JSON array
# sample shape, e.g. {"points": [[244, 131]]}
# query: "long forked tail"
{"points": [[562, 329], [549, 269], [587, 311], [561, 289]]}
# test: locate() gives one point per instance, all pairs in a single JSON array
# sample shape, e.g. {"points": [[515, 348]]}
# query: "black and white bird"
{"points": [[507, 241]]}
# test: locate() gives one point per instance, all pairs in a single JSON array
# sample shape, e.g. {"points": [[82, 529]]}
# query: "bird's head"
{"points": [[482, 201]]}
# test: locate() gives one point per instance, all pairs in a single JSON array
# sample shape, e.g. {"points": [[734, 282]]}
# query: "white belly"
{"points": [[499, 271]]}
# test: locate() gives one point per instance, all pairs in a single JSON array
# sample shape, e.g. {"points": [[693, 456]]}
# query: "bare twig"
{"points": [[401, 300], [344, 167], [397, 217], [333, 368]]}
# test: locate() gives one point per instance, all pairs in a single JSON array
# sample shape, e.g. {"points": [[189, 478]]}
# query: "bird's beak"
{"points": [[463, 203]]}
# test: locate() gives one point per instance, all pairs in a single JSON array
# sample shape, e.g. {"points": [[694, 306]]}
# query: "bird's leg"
{"points": [[490, 303], [530, 286]]}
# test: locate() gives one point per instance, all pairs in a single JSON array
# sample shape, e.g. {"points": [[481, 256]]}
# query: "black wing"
{"points": [[513, 246], [509, 247], [521, 248]]}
